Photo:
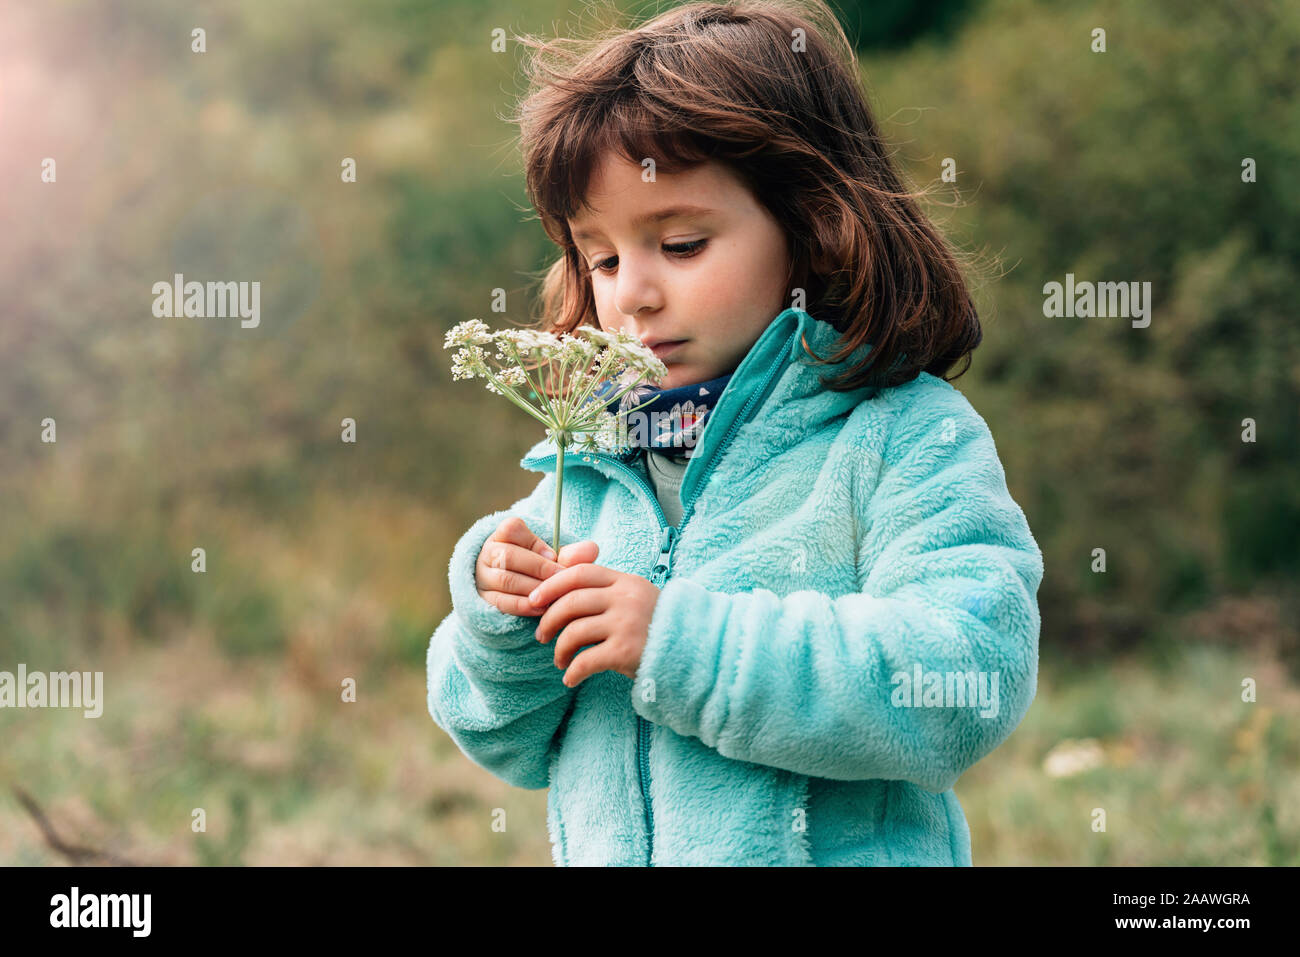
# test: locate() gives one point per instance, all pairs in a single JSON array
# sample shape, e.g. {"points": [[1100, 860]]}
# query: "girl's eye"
{"points": [[680, 250]]}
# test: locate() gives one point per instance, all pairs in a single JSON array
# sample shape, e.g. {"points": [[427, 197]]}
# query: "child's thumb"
{"points": [[579, 552]]}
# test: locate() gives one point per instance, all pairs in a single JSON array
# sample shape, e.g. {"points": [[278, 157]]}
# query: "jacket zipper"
{"points": [[658, 575], [668, 538]]}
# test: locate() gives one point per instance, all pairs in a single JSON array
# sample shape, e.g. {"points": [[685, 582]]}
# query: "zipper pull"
{"points": [[667, 542]]}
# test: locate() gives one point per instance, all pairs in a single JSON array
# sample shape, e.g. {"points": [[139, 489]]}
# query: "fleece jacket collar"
{"points": [[776, 363]]}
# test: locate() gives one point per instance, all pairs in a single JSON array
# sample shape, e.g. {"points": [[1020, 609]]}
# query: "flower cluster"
{"points": [[569, 369], [554, 379]]}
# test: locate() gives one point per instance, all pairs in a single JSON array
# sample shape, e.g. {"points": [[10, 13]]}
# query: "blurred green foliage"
{"points": [[328, 560], [887, 24], [1127, 166]]}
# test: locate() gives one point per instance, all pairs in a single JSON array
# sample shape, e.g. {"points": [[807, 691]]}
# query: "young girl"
{"points": [[809, 604]]}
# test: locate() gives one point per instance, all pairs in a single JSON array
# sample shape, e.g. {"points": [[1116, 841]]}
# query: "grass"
{"points": [[288, 773], [1190, 774], [252, 732]]}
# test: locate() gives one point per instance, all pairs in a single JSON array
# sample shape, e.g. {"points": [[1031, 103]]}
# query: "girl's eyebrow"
{"points": [[657, 217]]}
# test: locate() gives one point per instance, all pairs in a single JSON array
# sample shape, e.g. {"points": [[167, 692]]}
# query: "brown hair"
{"points": [[724, 82]]}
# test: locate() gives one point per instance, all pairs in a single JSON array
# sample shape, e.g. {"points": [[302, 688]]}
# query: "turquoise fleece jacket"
{"points": [[848, 571]]}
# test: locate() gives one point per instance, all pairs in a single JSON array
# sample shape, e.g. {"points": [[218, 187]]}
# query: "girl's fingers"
{"points": [[564, 612], [541, 548], [586, 663], [530, 563], [585, 551], [581, 575], [581, 650], [504, 556], [510, 582], [511, 604], [515, 531]]}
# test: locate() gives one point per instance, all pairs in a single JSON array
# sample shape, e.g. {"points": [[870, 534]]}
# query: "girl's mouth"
{"points": [[664, 348]]}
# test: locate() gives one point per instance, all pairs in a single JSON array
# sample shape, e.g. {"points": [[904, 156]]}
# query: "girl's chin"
{"points": [[678, 375]]}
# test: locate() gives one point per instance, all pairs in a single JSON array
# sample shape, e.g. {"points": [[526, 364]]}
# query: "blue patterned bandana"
{"points": [[672, 420]]}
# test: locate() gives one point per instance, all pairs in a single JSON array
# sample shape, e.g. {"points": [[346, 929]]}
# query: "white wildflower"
{"points": [[471, 331], [531, 343], [1071, 757], [465, 364], [570, 369]]}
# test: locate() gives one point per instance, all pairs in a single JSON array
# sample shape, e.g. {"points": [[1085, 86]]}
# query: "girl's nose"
{"points": [[637, 292]]}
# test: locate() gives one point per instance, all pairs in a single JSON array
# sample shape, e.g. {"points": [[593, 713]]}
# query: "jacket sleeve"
{"points": [[492, 687], [811, 683]]}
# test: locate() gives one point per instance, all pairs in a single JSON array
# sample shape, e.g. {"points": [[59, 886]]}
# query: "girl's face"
{"points": [[691, 256]]}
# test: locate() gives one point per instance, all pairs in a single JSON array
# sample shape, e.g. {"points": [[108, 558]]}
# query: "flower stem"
{"points": [[559, 494]]}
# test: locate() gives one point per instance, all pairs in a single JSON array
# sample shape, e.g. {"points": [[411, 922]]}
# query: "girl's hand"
{"points": [[514, 561], [594, 605]]}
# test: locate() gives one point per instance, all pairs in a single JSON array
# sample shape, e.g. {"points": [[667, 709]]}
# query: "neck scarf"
{"points": [[672, 420]]}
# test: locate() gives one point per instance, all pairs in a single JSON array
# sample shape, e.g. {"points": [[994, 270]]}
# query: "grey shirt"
{"points": [[665, 474]]}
